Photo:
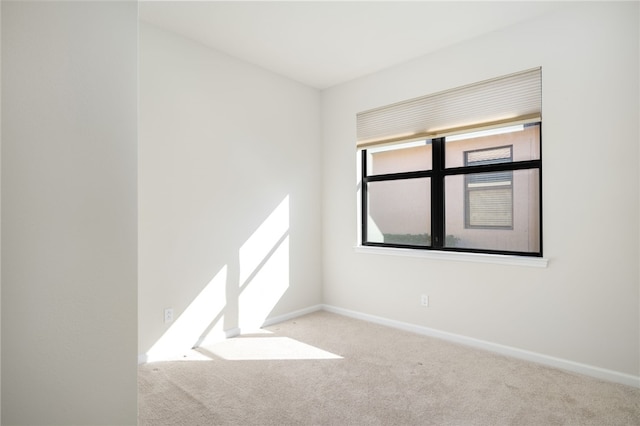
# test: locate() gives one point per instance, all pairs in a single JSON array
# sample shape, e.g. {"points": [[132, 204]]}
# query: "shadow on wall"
{"points": [[263, 279]]}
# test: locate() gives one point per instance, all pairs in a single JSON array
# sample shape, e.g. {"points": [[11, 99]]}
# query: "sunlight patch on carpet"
{"points": [[266, 348]]}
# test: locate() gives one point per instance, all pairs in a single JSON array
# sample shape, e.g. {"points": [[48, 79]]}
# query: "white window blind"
{"points": [[514, 98], [489, 207]]}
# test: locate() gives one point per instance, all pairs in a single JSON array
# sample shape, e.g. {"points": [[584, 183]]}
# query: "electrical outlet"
{"points": [[168, 315], [424, 300]]}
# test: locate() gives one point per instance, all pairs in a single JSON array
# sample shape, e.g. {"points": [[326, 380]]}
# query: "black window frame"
{"points": [[437, 176]]}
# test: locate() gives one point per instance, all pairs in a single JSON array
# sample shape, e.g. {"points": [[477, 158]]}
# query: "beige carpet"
{"points": [[326, 369]]}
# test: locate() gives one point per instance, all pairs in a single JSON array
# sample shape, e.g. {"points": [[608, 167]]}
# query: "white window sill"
{"points": [[537, 262]]}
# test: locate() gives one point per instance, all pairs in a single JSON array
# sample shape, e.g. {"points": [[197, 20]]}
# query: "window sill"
{"points": [[537, 262]]}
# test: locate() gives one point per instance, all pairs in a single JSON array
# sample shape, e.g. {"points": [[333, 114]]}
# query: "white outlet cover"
{"points": [[168, 315]]}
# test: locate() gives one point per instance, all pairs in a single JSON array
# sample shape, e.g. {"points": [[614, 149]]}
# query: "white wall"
{"points": [[224, 148], [584, 306], [69, 218]]}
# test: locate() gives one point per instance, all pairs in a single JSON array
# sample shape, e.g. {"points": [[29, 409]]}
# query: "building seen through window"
{"points": [[479, 191]]}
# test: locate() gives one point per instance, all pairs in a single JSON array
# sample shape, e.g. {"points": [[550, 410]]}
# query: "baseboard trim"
{"points": [[563, 364], [227, 334], [292, 315]]}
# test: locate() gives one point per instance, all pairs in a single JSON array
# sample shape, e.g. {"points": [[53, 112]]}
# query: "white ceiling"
{"points": [[322, 44]]}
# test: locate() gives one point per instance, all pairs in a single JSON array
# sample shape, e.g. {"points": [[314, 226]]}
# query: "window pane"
{"points": [[493, 214], [478, 148], [408, 157], [400, 212]]}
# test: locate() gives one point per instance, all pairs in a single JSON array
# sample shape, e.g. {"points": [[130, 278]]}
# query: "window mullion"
{"points": [[497, 167], [437, 194], [363, 197]]}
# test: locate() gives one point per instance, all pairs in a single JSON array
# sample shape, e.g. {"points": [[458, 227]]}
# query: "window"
{"points": [[467, 188]]}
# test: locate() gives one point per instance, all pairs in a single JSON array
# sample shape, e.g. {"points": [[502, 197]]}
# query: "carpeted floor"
{"points": [[326, 369]]}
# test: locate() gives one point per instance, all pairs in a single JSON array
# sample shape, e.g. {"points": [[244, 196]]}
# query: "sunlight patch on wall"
{"points": [[257, 248], [199, 317], [264, 268], [266, 348], [263, 278]]}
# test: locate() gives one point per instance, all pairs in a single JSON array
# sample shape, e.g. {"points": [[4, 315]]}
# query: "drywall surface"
{"points": [[584, 306], [229, 194], [69, 218]]}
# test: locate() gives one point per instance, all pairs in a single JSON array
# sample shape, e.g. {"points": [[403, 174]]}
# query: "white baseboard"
{"points": [[563, 364], [291, 315], [212, 338], [218, 336], [227, 334]]}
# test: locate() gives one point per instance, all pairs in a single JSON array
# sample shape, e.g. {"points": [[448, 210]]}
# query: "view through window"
{"points": [[477, 192]]}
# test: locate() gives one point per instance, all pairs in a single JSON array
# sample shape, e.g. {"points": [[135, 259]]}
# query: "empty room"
{"points": [[287, 213]]}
